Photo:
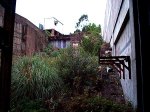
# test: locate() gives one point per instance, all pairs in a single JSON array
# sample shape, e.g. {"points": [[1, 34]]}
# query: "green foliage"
{"points": [[34, 78], [92, 39], [48, 49], [93, 29], [82, 103], [81, 22], [27, 105], [76, 64], [64, 81], [47, 33], [99, 104], [55, 53]]}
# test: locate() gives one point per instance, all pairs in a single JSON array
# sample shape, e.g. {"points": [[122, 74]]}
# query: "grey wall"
{"points": [[119, 31]]}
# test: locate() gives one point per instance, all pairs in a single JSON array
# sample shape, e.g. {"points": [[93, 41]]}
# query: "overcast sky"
{"points": [[66, 11]]}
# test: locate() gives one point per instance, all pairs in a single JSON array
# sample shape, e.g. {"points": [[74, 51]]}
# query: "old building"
{"points": [[28, 39], [76, 39], [58, 40]]}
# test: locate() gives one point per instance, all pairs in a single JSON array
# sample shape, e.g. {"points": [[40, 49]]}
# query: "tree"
{"points": [[92, 39], [81, 22]]}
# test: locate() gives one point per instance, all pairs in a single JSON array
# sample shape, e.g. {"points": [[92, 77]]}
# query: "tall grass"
{"points": [[34, 78], [77, 62], [76, 67]]}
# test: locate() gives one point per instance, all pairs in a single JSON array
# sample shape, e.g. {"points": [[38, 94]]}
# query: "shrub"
{"points": [[76, 67], [27, 105], [99, 104], [48, 49], [94, 104], [34, 78]]}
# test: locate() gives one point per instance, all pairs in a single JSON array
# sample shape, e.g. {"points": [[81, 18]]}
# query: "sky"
{"points": [[67, 12]]}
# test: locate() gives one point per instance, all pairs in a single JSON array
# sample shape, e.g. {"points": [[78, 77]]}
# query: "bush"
{"points": [[94, 104], [48, 49], [99, 104], [34, 78], [76, 67], [27, 105]]}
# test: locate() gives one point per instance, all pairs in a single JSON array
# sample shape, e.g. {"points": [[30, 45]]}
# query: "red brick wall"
{"points": [[28, 39]]}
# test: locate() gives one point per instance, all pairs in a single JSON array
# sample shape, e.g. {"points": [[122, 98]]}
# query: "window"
{"points": [[64, 44], [59, 44]]}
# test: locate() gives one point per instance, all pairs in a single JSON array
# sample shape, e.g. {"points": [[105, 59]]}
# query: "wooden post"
{"points": [[6, 54]]}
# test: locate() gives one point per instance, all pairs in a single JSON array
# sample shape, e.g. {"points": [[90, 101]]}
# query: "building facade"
{"points": [[119, 32], [58, 40], [28, 39]]}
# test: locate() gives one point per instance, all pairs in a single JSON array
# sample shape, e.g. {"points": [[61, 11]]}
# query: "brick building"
{"points": [[76, 39], [28, 38], [58, 40]]}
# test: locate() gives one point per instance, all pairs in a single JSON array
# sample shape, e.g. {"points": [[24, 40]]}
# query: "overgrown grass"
{"points": [[83, 103], [76, 67], [62, 81], [34, 78]]}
